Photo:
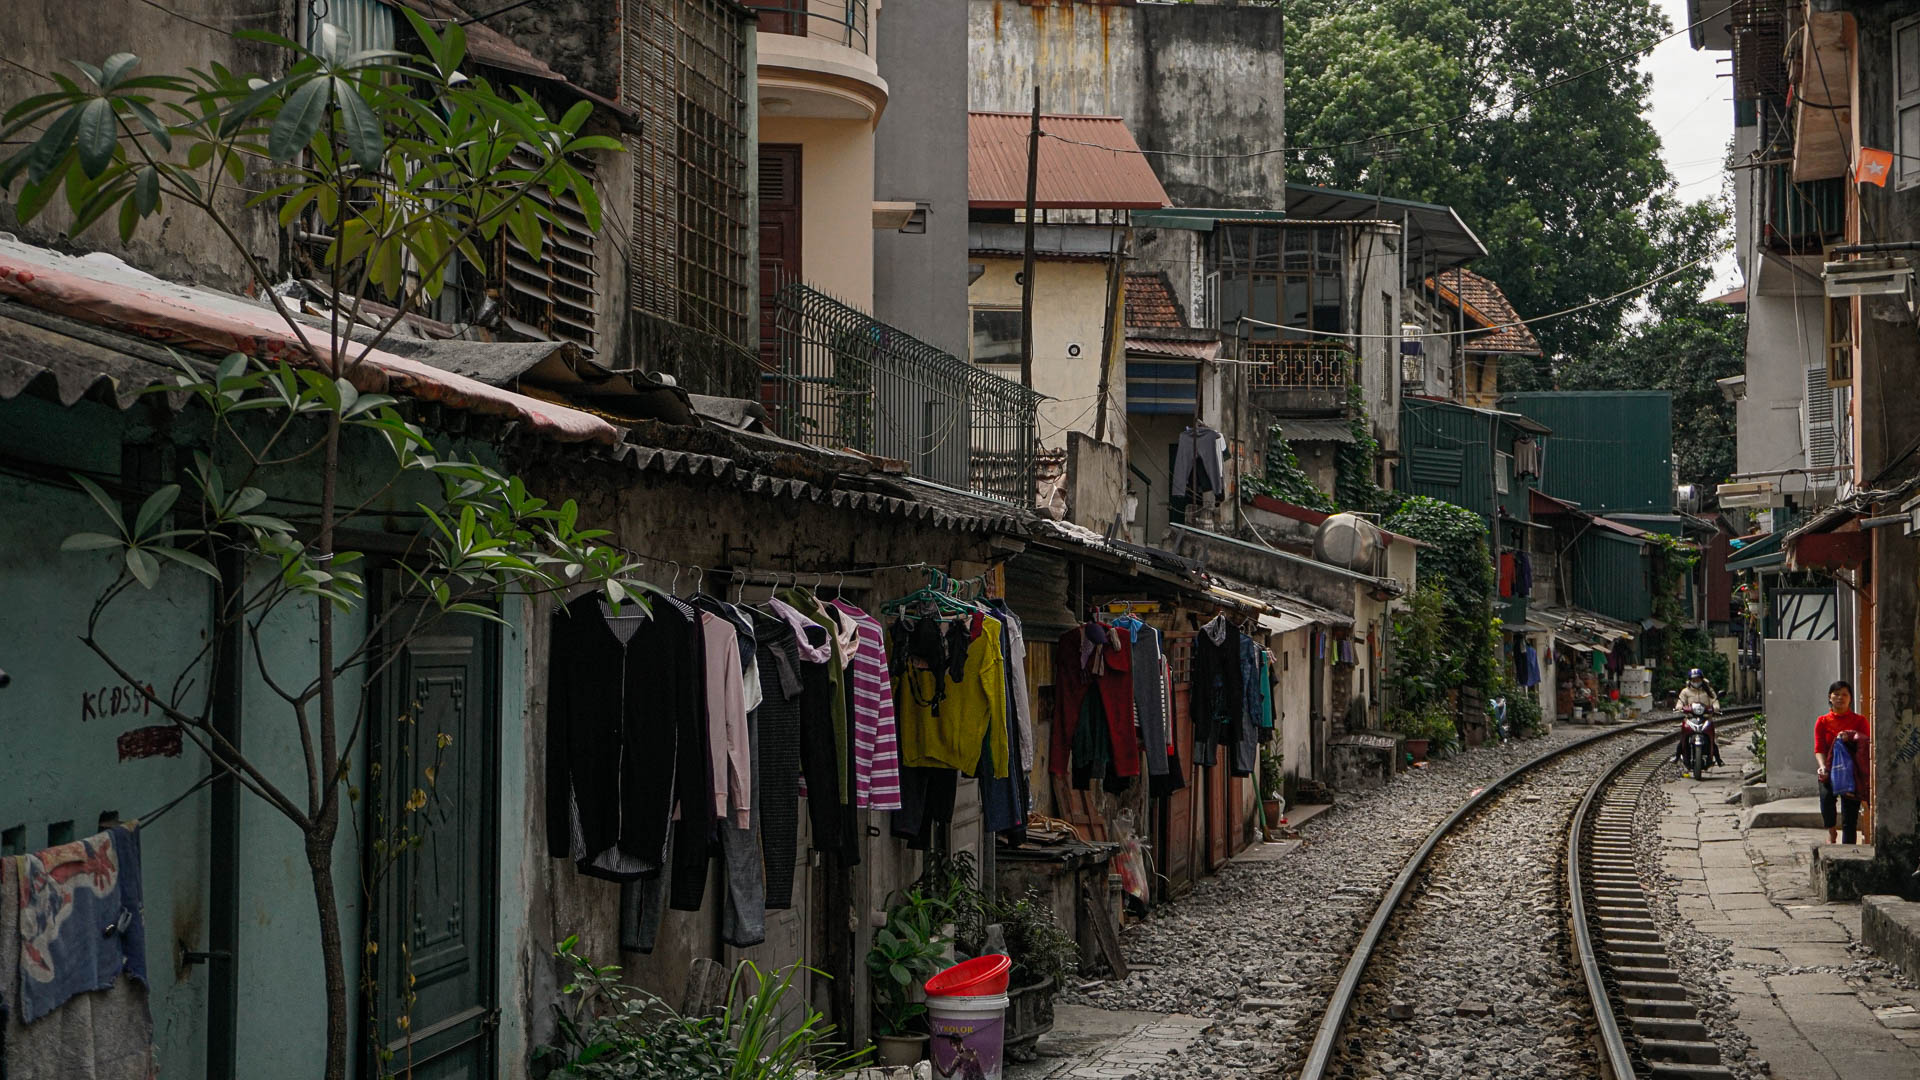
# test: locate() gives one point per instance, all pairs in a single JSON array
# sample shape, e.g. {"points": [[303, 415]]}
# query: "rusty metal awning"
{"points": [[1085, 163], [103, 291]]}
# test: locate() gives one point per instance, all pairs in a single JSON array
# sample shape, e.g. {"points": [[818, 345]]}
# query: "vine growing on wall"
{"points": [[1457, 560], [1353, 484], [1680, 648], [1285, 479]]}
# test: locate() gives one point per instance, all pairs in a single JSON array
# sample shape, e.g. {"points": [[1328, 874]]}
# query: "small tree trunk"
{"points": [[320, 864]]}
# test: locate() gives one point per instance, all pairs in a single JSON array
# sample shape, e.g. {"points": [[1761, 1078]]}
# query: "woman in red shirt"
{"points": [[1851, 728]]}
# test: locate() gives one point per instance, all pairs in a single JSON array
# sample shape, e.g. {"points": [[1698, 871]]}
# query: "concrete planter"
{"points": [[1029, 1014]]}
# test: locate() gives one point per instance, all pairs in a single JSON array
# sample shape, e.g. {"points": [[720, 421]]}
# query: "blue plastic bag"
{"points": [[1840, 771]]}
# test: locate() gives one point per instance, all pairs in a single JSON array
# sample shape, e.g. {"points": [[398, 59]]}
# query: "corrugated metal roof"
{"points": [[1183, 350], [1339, 431], [1090, 163], [103, 291], [1434, 230]]}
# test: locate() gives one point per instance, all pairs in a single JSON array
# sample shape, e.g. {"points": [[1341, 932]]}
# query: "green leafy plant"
{"points": [[410, 165], [1036, 944], [1457, 560], [905, 953], [951, 882], [1757, 740], [764, 1030], [1285, 479], [1272, 777]]}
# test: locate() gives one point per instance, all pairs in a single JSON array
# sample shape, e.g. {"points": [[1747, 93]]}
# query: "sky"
{"points": [[1693, 114]]}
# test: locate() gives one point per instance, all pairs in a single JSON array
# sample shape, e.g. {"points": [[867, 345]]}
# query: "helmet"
{"points": [[1694, 674]]}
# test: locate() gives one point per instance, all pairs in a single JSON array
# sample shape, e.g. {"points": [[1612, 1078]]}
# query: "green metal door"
{"points": [[435, 920]]}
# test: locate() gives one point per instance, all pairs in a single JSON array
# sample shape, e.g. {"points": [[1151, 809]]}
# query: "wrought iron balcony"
{"points": [[843, 22], [1299, 375], [844, 380]]}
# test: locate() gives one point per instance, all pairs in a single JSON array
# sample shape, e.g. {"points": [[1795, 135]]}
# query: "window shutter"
{"points": [[555, 295], [1840, 341], [1906, 102], [1820, 434]]}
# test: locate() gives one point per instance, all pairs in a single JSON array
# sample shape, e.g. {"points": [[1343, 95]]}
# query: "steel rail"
{"points": [[1320, 1056], [1616, 1051]]}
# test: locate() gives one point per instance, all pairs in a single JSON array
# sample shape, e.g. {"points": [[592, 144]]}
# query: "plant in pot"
{"points": [[1043, 956], [1271, 783], [904, 954]]}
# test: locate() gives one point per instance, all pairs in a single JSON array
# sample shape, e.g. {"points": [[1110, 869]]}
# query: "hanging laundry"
{"points": [[1506, 573], [1022, 703], [621, 693], [778, 722], [81, 926], [1522, 574], [1110, 749], [1199, 462], [1176, 775], [101, 1027], [1246, 744], [809, 606], [1149, 693], [823, 759], [1218, 693], [943, 716], [876, 739]]}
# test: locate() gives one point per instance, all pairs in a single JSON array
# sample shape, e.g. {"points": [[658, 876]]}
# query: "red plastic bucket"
{"points": [[983, 976]]}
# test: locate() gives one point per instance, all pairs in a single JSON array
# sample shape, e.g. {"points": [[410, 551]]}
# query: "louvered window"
{"points": [[1821, 437], [685, 73], [1906, 103], [1839, 341], [555, 295]]}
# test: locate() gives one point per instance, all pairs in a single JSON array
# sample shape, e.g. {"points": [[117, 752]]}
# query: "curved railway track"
{"points": [[1643, 1023]]}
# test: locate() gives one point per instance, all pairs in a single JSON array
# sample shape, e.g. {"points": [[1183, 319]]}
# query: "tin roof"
{"points": [[1087, 163], [1177, 350]]}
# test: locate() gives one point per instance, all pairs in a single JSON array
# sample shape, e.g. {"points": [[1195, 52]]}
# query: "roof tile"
{"points": [[1490, 307]]}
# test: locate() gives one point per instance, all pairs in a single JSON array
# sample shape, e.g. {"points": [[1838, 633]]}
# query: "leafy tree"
{"points": [[1682, 344], [1491, 106], [405, 160]]}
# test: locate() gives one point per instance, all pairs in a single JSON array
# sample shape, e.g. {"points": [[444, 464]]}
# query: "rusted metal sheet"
{"points": [[1085, 163], [114, 295]]}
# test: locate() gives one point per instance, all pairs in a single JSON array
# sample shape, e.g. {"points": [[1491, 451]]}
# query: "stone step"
{"points": [[1652, 1008]]}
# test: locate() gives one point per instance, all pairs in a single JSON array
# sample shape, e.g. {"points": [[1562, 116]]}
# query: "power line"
{"points": [[1511, 100]]}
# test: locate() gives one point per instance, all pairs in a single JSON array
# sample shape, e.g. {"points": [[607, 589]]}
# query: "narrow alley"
{"points": [[959, 539]]}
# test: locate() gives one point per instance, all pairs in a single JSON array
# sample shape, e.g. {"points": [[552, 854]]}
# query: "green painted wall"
{"points": [[1611, 450], [60, 720]]}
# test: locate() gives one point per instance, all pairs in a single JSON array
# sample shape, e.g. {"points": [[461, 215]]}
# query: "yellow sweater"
{"points": [[975, 708]]}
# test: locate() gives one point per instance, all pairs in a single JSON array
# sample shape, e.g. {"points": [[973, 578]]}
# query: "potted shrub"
{"points": [[1043, 956], [1271, 783], [905, 952]]}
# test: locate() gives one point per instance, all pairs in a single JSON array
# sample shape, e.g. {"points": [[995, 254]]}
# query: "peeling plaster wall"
{"points": [[1182, 76]]}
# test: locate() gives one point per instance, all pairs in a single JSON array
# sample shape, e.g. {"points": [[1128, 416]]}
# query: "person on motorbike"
{"points": [[1699, 692]]}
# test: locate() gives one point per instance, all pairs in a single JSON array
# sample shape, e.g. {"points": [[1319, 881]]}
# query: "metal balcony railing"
{"points": [[844, 22], [1297, 365], [846, 380]]}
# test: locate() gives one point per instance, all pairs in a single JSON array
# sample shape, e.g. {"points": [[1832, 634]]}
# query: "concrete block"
{"points": [[1785, 814], [1753, 794], [1842, 871], [1890, 927]]}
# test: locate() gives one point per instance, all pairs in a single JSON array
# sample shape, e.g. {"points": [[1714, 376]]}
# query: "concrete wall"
{"points": [[1069, 297], [43, 36], [836, 202], [920, 280], [1784, 338], [1293, 650], [1182, 76], [1096, 481], [1797, 676]]}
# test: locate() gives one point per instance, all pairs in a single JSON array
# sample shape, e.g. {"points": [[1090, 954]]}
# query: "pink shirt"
{"points": [[876, 739], [729, 755]]}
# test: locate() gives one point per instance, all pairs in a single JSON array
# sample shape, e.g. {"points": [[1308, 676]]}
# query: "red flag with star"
{"points": [[1873, 166]]}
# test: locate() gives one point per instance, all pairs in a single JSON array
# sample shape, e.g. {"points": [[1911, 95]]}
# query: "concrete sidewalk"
{"points": [[1814, 1004]]}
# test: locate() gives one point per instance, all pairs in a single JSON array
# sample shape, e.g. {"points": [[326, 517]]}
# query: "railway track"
{"points": [[1645, 1025], [1636, 1017]]}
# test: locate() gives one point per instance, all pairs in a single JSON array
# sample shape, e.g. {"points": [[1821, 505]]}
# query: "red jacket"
{"points": [[1072, 681]]}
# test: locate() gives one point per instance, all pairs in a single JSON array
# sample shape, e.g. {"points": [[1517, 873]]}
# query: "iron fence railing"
{"points": [[1297, 365], [842, 21], [846, 380]]}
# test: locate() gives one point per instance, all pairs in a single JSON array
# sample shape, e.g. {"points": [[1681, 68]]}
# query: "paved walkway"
{"points": [[1104, 1043], [1809, 1006]]}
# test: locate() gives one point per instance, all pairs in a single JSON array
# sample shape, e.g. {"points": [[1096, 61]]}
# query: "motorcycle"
{"points": [[1696, 741]]}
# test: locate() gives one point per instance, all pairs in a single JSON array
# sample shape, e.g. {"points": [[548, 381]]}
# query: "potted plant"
{"points": [[904, 953], [1043, 956], [1271, 783]]}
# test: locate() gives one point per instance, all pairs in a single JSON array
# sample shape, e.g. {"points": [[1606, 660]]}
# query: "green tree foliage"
{"points": [[1683, 345], [1558, 175]]}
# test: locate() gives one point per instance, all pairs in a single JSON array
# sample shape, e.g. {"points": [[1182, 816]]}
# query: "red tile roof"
{"points": [[1085, 163], [1151, 304], [1488, 306]]}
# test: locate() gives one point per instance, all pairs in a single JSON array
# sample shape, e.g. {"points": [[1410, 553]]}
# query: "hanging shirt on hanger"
{"points": [[942, 719], [1219, 692], [1106, 672], [1149, 693], [1021, 704], [728, 765], [876, 740]]}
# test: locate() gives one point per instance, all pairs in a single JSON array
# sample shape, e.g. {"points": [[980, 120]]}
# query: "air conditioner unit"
{"points": [[1868, 277], [1750, 493]]}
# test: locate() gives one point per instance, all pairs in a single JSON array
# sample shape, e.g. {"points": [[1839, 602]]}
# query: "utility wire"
{"points": [[1510, 101]]}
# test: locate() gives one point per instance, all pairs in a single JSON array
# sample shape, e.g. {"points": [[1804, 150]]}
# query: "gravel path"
{"points": [[1259, 947]]}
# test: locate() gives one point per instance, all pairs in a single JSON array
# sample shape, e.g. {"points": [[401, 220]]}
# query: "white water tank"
{"points": [[1349, 540]]}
